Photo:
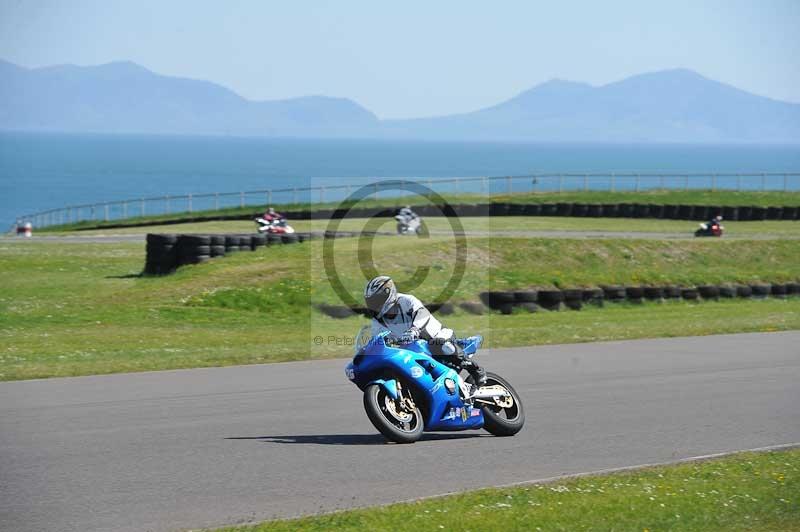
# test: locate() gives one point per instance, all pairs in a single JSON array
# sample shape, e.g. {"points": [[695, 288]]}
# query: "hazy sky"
{"points": [[414, 58]]}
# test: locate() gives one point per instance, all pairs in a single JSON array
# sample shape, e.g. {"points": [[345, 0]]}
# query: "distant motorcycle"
{"points": [[707, 229], [274, 227], [407, 224]]}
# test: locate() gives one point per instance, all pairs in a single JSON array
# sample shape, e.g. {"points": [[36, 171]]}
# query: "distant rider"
{"points": [[407, 213], [407, 319], [716, 220], [272, 216]]}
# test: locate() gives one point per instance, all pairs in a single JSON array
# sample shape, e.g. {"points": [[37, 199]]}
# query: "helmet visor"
{"points": [[376, 301]]}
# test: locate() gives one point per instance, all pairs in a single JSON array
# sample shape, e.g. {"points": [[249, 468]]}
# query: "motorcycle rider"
{"points": [[272, 216], [407, 213], [407, 319], [716, 220]]}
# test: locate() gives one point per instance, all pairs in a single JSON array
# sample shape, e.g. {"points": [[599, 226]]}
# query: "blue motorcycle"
{"points": [[407, 391]]}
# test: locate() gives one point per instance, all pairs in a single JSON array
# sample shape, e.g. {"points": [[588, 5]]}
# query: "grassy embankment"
{"points": [[693, 197], [747, 491], [76, 309]]}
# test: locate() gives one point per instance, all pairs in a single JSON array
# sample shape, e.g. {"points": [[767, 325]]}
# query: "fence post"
{"points": [[93, 216], [190, 203], [105, 211]]}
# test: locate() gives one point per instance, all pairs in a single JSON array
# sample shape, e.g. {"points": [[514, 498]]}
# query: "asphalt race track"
{"points": [[206, 447]]}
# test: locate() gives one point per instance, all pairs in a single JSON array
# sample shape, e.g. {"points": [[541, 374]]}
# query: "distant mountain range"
{"points": [[123, 97]]}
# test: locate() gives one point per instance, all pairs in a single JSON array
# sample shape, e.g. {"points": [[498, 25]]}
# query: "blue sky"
{"points": [[414, 58]]}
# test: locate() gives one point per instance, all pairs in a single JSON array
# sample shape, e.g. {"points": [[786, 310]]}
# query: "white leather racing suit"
{"points": [[408, 312]]}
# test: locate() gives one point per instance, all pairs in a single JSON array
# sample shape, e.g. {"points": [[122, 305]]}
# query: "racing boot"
{"points": [[477, 372]]}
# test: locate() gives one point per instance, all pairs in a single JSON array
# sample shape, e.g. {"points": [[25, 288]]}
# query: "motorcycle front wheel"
{"points": [[506, 418], [396, 424]]}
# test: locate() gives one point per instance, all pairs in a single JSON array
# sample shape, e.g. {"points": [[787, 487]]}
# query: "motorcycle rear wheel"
{"points": [[503, 421], [376, 404]]}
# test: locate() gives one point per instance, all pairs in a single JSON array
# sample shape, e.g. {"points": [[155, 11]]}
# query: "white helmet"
{"points": [[380, 294], [718, 218]]}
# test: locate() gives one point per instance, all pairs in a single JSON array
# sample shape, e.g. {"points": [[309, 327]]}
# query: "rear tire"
{"points": [[375, 398], [503, 421]]}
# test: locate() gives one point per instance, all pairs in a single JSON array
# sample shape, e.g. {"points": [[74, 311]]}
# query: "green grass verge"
{"points": [[505, 224], [747, 491], [78, 309], [666, 197]]}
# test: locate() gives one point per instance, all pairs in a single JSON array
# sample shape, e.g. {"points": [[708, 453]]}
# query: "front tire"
{"points": [[504, 420], [399, 427]]}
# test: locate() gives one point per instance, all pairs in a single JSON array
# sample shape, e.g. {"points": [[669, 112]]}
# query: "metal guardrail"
{"points": [[537, 182]]}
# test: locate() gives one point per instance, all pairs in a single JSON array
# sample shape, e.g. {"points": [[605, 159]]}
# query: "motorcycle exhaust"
{"points": [[488, 392]]}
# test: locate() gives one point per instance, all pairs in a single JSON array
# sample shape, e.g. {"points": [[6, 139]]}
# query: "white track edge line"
{"points": [[547, 480]]}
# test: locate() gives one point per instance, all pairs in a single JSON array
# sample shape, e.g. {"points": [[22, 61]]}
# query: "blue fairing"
{"points": [[378, 363], [471, 345]]}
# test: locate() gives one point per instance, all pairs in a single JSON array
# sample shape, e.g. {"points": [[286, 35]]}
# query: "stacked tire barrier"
{"points": [[576, 298], [161, 254], [557, 299], [606, 210], [167, 252]]}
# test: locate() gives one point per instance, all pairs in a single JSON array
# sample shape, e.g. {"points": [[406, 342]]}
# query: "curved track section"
{"points": [[207, 447], [578, 235]]}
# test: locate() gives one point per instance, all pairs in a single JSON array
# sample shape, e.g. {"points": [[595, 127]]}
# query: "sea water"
{"points": [[46, 171]]}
